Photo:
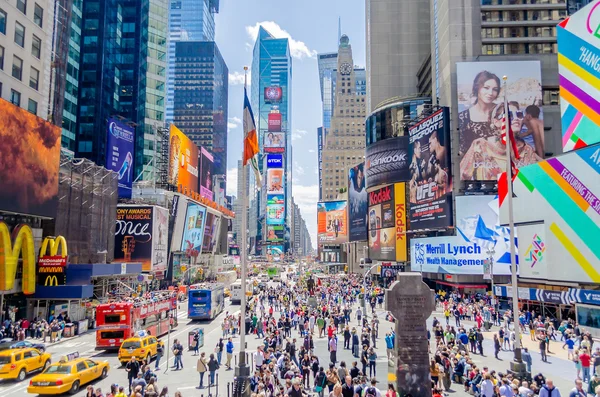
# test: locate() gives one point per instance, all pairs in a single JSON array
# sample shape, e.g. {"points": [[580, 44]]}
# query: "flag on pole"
{"points": [[251, 149], [511, 149]]}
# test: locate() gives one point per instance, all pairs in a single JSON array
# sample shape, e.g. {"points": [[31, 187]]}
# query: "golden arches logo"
{"points": [[54, 244], [51, 281], [20, 243]]}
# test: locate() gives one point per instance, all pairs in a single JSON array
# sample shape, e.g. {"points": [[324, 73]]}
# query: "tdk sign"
{"points": [[274, 161]]}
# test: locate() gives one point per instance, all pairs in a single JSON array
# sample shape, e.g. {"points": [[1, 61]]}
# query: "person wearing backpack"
{"points": [[213, 366], [372, 390]]}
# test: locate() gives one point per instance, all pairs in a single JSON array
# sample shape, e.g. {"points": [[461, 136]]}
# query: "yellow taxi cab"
{"points": [[227, 292], [142, 346], [68, 375], [17, 363]]}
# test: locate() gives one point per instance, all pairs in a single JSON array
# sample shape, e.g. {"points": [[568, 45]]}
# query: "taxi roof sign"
{"points": [[142, 333], [69, 357]]}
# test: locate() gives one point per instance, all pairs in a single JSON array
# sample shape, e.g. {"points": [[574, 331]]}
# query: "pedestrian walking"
{"points": [[159, 353], [213, 366], [229, 350], [178, 353], [201, 368]]}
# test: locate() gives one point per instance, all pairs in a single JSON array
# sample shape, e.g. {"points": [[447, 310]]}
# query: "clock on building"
{"points": [[345, 68]]}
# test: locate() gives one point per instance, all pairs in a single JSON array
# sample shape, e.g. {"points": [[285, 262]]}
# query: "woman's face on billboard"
{"points": [[488, 92]]}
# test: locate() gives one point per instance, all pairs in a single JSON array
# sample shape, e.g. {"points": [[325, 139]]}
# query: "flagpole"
{"points": [[511, 228], [242, 371]]}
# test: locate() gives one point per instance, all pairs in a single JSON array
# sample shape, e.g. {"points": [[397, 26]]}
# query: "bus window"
{"points": [[112, 318], [112, 334], [200, 294]]}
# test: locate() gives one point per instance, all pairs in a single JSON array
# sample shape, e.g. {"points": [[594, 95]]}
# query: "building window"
{"points": [[2, 21], [34, 78], [22, 6], [32, 106], [36, 46], [1, 58], [38, 15], [17, 69], [15, 97], [19, 34]]}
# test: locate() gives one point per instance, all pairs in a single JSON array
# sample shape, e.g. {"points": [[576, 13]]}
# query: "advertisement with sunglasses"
{"points": [[481, 112]]}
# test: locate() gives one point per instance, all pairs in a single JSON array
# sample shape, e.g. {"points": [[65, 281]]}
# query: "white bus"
{"points": [[236, 291]]}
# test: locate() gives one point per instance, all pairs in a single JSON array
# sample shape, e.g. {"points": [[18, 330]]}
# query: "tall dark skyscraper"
{"points": [[201, 81]]}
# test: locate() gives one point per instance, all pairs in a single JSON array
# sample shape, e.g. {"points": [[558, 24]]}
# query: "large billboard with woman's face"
{"points": [[357, 203], [481, 92]]}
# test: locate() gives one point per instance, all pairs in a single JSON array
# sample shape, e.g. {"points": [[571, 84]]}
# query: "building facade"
{"points": [[271, 97], [26, 54], [189, 20], [201, 84]]}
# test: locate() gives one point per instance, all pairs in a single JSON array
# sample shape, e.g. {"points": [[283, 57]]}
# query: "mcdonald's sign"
{"points": [[51, 264], [12, 246]]}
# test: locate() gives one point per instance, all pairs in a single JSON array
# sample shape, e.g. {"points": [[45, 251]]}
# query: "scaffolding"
{"points": [[87, 209]]}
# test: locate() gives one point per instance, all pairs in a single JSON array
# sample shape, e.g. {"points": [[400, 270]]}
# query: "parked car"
{"points": [[8, 343]]}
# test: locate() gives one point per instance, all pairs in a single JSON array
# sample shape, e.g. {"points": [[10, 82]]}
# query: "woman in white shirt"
{"points": [[487, 386]]}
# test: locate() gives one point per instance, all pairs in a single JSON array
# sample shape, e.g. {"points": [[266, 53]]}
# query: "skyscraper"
{"points": [[201, 81], [271, 97], [189, 20]]}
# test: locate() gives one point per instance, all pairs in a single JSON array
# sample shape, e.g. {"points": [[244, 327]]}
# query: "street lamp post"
{"points": [[365, 290]]}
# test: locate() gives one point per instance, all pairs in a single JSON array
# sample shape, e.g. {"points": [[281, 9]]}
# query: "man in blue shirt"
{"points": [[570, 343], [229, 350], [389, 344]]}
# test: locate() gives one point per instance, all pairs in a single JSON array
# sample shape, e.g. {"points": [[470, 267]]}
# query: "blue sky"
{"points": [[312, 27]]}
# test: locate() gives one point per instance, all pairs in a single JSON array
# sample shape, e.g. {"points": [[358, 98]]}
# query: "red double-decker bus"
{"points": [[118, 321]]}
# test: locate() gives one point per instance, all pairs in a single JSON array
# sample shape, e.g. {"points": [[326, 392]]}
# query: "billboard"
{"points": [[382, 225], [119, 154], [276, 214], [557, 212], [275, 233], [193, 229], [430, 175], [273, 94], [481, 108], [477, 232], [274, 142], [160, 240], [274, 160], [275, 181], [400, 221], [30, 156], [275, 253], [210, 232], [133, 235], [275, 199], [206, 173], [183, 161], [357, 203], [332, 225], [578, 46], [387, 161], [274, 122]]}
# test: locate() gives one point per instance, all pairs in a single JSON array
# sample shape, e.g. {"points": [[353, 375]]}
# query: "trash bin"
{"points": [[68, 331], [191, 338]]}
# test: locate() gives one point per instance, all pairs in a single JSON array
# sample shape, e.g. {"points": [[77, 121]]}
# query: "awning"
{"points": [[64, 292], [461, 285]]}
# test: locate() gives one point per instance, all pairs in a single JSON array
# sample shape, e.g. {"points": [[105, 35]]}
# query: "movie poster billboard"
{"points": [[382, 225], [430, 175], [387, 161], [274, 142], [275, 181], [160, 240], [119, 154], [210, 232], [183, 161], [133, 235], [206, 173], [481, 94], [357, 203], [332, 224], [30, 156], [276, 214], [193, 229]]}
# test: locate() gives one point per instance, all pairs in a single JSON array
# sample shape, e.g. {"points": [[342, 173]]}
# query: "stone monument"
{"points": [[411, 302]]}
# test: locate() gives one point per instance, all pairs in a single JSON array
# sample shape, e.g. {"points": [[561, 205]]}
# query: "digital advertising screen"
{"points": [[382, 225], [275, 181], [183, 161], [332, 223], [276, 214], [119, 154], [133, 235], [274, 122], [275, 233], [193, 232], [274, 142], [480, 94], [387, 161], [210, 232], [274, 160], [357, 203], [275, 199], [430, 186], [206, 173], [273, 94]]}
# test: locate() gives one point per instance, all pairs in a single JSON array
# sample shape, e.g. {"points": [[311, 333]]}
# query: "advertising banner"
{"points": [[275, 233], [183, 161], [276, 214], [332, 225], [532, 251], [357, 203], [206, 173], [133, 235], [387, 161], [274, 142], [30, 156], [52, 271], [274, 121], [210, 232], [562, 196], [382, 226], [275, 181], [274, 160], [273, 94], [119, 154], [477, 233], [578, 50], [275, 253], [193, 232], [481, 109], [160, 240], [275, 199], [430, 174], [400, 221]]}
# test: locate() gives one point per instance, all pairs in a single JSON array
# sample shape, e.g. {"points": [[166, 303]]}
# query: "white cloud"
{"points": [[298, 134], [298, 170], [233, 123], [298, 49], [311, 150], [306, 197], [232, 177], [237, 78]]}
